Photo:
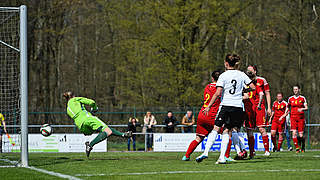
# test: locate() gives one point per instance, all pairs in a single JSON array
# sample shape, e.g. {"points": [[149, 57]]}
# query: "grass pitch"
{"points": [[141, 165]]}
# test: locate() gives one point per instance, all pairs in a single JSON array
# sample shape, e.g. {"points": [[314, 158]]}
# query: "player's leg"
{"points": [[301, 133], [251, 142], [261, 124], [294, 126], [219, 122], [193, 145], [210, 141], [274, 128], [226, 135], [281, 127], [204, 126]]}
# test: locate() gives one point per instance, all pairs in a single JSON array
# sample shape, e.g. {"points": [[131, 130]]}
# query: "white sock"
{"points": [[210, 141], [224, 145], [241, 141], [235, 140]]}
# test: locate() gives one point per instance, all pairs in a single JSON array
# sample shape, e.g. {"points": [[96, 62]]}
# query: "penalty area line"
{"points": [[195, 172], [53, 173]]}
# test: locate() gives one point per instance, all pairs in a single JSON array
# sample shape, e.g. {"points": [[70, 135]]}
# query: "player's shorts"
{"points": [[250, 118], [205, 123], [261, 117], [277, 125], [1, 130], [91, 125], [297, 122], [230, 117]]}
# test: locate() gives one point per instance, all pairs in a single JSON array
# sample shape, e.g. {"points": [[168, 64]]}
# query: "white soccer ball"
{"points": [[46, 130]]}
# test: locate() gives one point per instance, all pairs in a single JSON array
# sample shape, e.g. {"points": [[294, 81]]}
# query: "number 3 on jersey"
{"points": [[207, 99], [234, 86]]}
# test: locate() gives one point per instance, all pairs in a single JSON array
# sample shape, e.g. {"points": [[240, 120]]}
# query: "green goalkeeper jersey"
{"points": [[77, 111]]}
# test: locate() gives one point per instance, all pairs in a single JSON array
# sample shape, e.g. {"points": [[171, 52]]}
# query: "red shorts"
{"points": [[297, 122], [261, 117], [278, 125], [205, 123], [250, 118]]}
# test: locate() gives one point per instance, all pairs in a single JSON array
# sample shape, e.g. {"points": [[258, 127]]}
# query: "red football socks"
{"points": [[279, 144], [193, 145], [274, 141], [265, 140], [295, 142], [228, 149], [251, 145]]}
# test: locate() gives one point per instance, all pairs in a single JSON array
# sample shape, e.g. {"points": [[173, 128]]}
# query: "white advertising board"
{"points": [[53, 143], [179, 142]]}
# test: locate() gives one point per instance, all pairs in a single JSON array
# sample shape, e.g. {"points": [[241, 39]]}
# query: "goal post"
{"points": [[14, 79], [24, 85]]}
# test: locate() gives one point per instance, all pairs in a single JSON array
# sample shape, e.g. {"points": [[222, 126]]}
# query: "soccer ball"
{"points": [[46, 130]]}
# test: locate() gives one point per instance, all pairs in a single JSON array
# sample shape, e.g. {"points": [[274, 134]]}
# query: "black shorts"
{"points": [[230, 117], [1, 130]]}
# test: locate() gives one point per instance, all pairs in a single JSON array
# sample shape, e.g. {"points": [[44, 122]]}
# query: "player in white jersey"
{"points": [[229, 85]]}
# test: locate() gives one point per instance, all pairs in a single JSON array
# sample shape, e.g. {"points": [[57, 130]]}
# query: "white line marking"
{"points": [[196, 172], [16, 164], [54, 173], [7, 166]]}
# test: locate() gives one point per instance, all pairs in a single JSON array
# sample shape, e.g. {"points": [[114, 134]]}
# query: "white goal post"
{"points": [[13, 24]]}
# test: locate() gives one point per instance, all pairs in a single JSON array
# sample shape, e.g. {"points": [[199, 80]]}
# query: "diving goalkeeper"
{"points": [[86, 122]]}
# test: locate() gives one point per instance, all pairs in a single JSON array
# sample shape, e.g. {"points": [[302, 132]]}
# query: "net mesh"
{"points": [[9, 77]]}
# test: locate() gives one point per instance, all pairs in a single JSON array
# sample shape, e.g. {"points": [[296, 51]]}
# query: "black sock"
{"points": [[299, 141], [303, 142]]}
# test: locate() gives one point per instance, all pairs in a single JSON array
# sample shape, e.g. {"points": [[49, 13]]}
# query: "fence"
{"points": [[119, 119]]}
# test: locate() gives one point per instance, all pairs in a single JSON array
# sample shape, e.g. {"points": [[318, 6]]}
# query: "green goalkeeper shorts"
{"points": [[91, 125]]}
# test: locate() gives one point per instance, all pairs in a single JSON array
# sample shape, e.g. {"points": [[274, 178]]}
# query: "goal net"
{"points": [[13, 75]]}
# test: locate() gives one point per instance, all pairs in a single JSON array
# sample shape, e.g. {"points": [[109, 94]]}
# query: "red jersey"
{"points": [[208, 93], [264, 85], [296, 102], [279, 108], [253, 98]]}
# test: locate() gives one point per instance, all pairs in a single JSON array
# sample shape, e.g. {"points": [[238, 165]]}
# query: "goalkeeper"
{"points": [[86, 122]]}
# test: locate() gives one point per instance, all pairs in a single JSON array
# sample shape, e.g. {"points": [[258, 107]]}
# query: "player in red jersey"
{"points": [[298, 105], [205, 123], [261, 122], [279, 113], [252, 101]]}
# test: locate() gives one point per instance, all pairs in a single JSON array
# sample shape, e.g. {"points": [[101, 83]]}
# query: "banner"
{"points": [[53, 143], [179, 142]]}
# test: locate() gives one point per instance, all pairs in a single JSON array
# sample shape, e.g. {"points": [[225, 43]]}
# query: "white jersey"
{"points": [[232, 82]]}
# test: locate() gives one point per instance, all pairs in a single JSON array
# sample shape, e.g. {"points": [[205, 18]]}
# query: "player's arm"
{"points": [[261, 94], [285, 113], [272, 114], [245, 96], [213, 99], [304, 108], [89, 102], [268, 97]]}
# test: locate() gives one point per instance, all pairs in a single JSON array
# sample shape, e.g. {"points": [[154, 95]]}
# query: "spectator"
{"points": [[132, 126], [149, 122], [170, 121], [187, 120], [3, 129]]}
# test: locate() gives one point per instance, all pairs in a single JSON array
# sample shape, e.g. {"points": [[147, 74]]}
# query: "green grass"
{"points": [[116, 165]]}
